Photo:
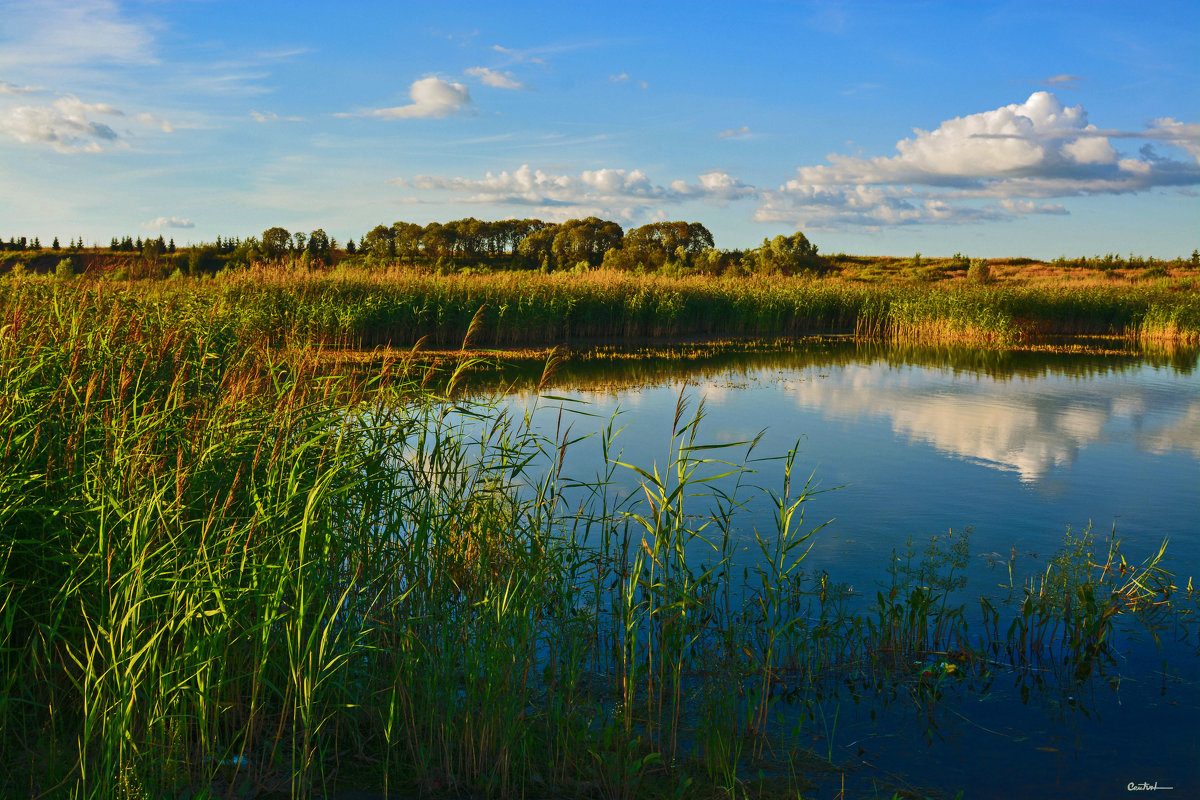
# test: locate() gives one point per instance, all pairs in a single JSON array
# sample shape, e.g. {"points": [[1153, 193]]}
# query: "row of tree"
{"points": [[504, 244], [21, 244], [1111, 261], [576, 243], [128, 244]]}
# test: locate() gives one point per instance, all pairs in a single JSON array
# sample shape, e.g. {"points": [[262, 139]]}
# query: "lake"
{"points": [[1016, 447]]}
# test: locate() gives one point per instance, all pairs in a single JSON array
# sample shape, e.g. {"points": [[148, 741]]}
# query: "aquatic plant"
{"points": [[223, 571]]}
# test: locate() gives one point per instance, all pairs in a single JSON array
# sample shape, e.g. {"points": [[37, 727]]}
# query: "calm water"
{"points": [[1015, 446]]}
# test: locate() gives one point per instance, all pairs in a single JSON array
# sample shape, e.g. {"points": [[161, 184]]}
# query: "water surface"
{"points": [[1017, 448]]}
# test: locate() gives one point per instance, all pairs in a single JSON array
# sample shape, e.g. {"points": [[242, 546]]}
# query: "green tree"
{"points": [[407, 238], [379, 244], [275, 243], [151, 250], [319, 245], [788, 254], [536, 246], [652, 245]]}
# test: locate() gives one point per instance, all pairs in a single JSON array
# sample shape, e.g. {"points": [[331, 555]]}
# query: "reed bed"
{"points": [[224, 573], [399, 306]]}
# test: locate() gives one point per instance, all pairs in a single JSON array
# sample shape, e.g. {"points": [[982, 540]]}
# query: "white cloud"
{"points": [[431, 97], [1061, 81], [624, 76], [1185, 136], [618, 193], [68, 125], [12, 88], [168, 222], [158, 122], [271, 116], [61, 32], [499, 80], [1036, 149], [64, 125], [529, 56], [736, 133]]}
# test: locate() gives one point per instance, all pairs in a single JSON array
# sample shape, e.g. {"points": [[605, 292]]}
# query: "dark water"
{"points": [[1017, 447]]}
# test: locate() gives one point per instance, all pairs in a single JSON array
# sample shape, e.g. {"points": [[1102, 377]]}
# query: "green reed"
{"points": [[399, 307], [223, 571]]}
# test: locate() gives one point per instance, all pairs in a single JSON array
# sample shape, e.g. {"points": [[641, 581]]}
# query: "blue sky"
{"points": [[994, 129]]}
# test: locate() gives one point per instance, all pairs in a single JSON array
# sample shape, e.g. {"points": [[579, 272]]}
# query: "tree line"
{"points": [[577, 244], [672, 247]]}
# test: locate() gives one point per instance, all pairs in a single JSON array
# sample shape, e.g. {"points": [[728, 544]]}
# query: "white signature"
{"points": [[1147, 787]]}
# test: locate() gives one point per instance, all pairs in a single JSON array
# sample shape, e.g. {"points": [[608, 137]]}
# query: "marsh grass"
{"points": [[360, 308], [224, 572]]}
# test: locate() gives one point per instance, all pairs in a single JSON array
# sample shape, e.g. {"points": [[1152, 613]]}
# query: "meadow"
{"points": [[227, 572]]}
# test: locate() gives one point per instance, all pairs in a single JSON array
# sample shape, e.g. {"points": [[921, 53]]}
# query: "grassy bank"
{"points": [[224, 573]]}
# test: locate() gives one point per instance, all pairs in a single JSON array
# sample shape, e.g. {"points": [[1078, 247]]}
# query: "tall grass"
{"points": [[224, 572], [398, 307]]}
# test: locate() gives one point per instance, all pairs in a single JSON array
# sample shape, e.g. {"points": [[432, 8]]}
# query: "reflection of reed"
{"points": [[611, 368]]}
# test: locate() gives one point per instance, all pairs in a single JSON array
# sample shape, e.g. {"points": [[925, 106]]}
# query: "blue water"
{"points": [[912, 450], [1017, 450]]}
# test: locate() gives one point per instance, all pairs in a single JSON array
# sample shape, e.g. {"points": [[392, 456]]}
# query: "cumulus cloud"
{"points": [[735, 133], [431, 97], [499, 80], [168, 222], [1032, 150], [67, 125], [619, 193]]}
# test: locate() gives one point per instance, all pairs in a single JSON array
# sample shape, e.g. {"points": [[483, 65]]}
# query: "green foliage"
{"points": [[786, 255], [65, 269], [979, 272], [276, 243], [203, 259]]}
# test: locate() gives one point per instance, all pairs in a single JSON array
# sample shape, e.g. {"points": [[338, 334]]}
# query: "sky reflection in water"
{"points": [[919, 445]]}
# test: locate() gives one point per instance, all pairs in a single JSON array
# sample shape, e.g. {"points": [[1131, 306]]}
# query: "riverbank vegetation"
{"points": [[225, 573], [397, 307], [533, 283]]}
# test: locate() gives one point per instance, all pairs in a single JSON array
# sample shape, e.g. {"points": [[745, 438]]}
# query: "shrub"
{"points": [[979, 271], [203, 258], [65, 269], [1155, 271]]}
